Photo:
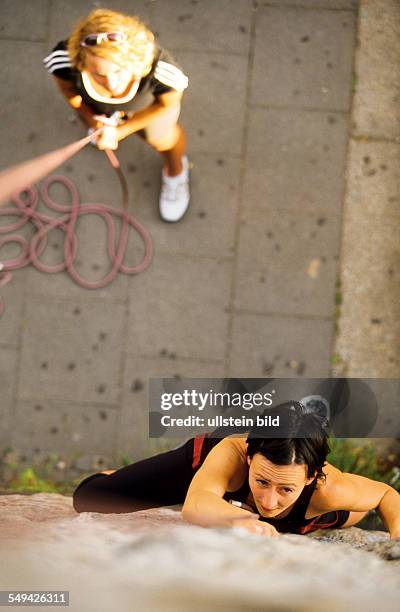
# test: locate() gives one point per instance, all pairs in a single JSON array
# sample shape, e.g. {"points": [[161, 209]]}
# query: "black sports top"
{"points": [[164, 76]]}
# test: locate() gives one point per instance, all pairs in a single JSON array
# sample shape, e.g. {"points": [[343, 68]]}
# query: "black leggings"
{"points": [[162, 480]]}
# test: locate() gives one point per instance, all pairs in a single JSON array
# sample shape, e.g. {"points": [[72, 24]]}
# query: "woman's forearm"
{"points": [[209, 510], [389, 509], [141, 119]]}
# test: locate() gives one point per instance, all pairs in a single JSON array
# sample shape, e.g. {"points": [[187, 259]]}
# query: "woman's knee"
{"points": [[88, 494], [80, 500]]}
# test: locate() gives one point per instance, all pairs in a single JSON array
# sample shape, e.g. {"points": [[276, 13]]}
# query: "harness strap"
{"points": [[197, 448]]}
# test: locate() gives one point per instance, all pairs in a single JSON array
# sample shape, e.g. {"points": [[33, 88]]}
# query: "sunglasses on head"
{"points": [[91, 40]]}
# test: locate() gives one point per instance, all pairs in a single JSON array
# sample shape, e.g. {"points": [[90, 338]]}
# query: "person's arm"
{"points": [[389, 509], [143, 117], [224, 469], [351, 492], [75, 101], [111, 136]]}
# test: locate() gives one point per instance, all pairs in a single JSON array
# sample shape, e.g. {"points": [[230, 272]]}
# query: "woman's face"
{"points": [[275, 488], [113, 77]]}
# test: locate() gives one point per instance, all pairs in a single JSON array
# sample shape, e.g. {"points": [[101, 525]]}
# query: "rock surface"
{"points": [[151, 560]]}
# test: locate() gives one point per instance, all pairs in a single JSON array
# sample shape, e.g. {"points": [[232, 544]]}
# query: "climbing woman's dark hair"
{"points": [[303, 438]]}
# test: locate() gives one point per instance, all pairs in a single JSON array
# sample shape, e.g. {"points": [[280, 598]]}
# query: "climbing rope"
{"points": [[26, 201]]}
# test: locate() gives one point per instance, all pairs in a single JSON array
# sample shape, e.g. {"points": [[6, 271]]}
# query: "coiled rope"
{"points": [[26, 200]]}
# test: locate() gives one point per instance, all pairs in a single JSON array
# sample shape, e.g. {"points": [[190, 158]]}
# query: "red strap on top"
{"points": [[197, 448]]}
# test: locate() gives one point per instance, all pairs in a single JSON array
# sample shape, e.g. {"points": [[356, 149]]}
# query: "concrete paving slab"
{"points": [[260, 347], [374, 186], [329, 5], [72, 350], [377, 96], [25, 21], [296, 160], [208, 228], [304, 246], [303, 58], [11, 321], [22, 102], [357, 359], [133, 438], [203, 26], [379, 256], [64, 427], [369, 326], [179, 306], [213, 114], [62, 21], [8, 381]]}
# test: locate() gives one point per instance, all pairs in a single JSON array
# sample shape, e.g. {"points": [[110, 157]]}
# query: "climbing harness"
{"points": [[26, 199]]}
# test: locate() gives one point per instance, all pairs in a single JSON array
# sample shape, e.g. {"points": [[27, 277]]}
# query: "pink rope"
{"points": [[26, 210]]}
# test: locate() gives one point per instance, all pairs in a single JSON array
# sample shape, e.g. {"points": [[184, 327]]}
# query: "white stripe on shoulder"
{"points": [[59, 61], [179, 86], [55, 54], [59, 67], [171, 76], [161, 65]]}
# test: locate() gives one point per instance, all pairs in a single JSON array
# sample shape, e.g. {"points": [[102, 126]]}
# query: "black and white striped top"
{"points": [[165, 76]]}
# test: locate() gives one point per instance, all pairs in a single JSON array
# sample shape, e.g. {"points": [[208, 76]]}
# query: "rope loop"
{"points": [[25, 209]]}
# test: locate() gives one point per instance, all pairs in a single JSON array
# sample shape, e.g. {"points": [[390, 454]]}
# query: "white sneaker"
{"points": [[175, 195]]}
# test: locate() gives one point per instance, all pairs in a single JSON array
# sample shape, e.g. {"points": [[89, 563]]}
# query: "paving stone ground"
{"points": [[245, 284]]}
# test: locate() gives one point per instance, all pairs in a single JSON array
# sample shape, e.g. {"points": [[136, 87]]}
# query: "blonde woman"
{"points": [[111, 71]]}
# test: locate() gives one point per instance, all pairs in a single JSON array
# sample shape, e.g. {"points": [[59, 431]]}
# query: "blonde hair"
{"points": [[136, 51]]}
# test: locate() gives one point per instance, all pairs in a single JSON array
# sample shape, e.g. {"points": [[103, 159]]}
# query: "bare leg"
{"points": [[175, 193], [173, 157]]}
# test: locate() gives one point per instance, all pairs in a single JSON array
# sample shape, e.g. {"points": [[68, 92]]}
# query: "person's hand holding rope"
{"points": [[108, 137]]}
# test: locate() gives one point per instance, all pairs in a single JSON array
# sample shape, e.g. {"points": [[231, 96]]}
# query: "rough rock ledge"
{"points": [[151, 560]]}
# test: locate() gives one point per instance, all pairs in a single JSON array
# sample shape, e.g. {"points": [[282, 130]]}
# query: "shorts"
{"points": [[161, 133]]}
